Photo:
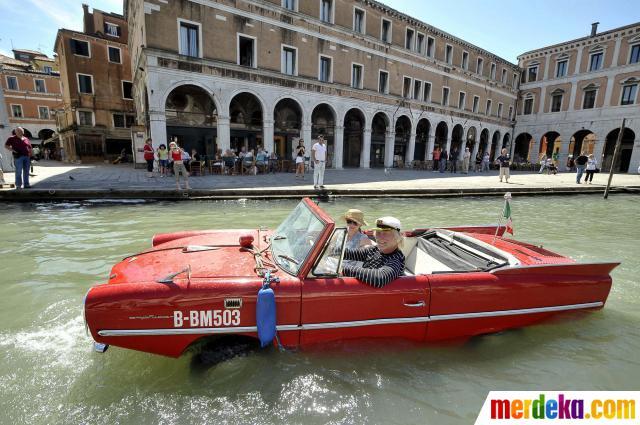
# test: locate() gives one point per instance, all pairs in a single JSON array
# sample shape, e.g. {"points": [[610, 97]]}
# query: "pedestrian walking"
{"points": [[592, 167], [485, 161], [581, 165], [300, 152], [319, 158], [20, 147], [478, 162], [436, 159], [453, 157], [466, 156], [443, 161], [178, 165], [149, 157], [504, 162], [543, 163]]}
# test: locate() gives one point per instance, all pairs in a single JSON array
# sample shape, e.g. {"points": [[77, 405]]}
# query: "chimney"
{"points": [[594, 29]]}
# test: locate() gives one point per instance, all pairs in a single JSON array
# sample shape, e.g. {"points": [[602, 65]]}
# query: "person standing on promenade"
{"points": [[436, 159], [178, 165], [504, 162], [543, 163], [319, 158], [453, 156], [163, 159], [485, 161], [149, 156], [443, 160], [466, 156], [581, 164], [300, 152], [20, 146], [592, 166]]}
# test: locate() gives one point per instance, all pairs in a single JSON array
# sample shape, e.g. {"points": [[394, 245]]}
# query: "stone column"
{"points": [[472, 160], [224, 133], [389, 145], [598, 148], [158, 128], [365, 157], [410, 150], [431, 141], [306, 135], [267, 135], [564, 152], [337, 147]]}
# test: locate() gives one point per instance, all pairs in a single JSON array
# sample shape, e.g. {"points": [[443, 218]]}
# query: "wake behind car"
{"points": [[459, 282]]}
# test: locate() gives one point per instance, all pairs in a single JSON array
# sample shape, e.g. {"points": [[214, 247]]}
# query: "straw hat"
{"points": [[355, 215]]}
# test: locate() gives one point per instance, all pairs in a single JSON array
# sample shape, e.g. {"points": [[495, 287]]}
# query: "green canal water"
{"points": [[50, 254]]}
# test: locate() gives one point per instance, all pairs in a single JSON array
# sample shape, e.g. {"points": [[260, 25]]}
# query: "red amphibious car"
{"points": [[459, 282]]}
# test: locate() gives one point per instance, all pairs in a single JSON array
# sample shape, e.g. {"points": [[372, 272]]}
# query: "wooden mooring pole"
{"points": [[615, 158]]}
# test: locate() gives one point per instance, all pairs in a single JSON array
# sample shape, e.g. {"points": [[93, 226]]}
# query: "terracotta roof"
{"points": [[31, 52], [7, 61]]}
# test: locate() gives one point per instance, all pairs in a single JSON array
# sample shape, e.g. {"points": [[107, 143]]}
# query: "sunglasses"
{"points": [[352, 222]]}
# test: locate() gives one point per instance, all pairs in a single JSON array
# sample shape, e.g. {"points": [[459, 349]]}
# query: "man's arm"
{"points": [[377, 277], [359, 254], [313, 153]]}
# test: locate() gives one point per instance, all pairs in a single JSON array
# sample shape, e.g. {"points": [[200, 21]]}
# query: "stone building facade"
{"points": [[381, 86], [30, 85], [574, 95], [94, 122]]}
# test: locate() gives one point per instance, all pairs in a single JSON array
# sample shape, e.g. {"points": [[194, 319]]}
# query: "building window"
{"points": [[420, 43], [556, 102], [358, 21], [595, 61], [445, 96], [499, 110], [448, 54], [114, 55], [385, 32], [85, 118], [43, 112], [289, 4], [189, 39], [48, 69], [383, 82], [629, 94], [487, 110], [635, 54], [427, 92], [12, 82], [561, 68], [408, 40], [479, 66], [462, 97], [515, 81], [40, 87], [246, 51], [406, 87], [16, 111], [80, 48], [356, 76], [325, 69], [493, 71], [465, 60], [503, 78], [123, 120], [417, 89], [288, 64], [476, 101], [528, 106], [112, 30], [510, 113], [85, 83], [589, 101], [431, 45], [127, 90], [532, 75], [326, 10]]}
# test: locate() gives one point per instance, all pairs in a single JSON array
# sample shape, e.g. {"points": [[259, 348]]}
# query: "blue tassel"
{"points": [[266, 315]]}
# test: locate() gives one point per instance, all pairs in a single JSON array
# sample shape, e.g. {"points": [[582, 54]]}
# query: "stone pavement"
{"points": [[105, 180]]}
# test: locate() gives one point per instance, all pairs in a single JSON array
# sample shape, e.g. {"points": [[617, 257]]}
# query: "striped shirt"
{"points": [[378, 269]]}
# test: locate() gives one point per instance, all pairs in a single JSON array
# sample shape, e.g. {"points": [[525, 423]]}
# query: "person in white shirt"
{"points": [[319, 158]]}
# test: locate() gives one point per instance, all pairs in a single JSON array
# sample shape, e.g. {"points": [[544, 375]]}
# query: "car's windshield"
{"points": [[293, 240]]}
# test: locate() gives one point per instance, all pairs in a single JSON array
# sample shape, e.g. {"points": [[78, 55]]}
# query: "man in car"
{"points": [[381, 263]]}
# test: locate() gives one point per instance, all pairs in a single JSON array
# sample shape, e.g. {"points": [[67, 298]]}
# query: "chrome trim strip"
{"points": [[515, 312], [353, 324]]}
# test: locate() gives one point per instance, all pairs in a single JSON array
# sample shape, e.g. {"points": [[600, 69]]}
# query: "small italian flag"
{"points": [[506, 213]]}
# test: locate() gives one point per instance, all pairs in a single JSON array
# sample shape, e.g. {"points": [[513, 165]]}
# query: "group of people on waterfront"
{"points": [[443, 159]]}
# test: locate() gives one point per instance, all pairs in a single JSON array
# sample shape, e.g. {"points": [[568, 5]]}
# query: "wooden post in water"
{"points": [[615, 157]]}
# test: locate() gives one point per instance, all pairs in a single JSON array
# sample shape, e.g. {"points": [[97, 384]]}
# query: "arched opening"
{"points": [[422, 139], [353, 139], [471, 139], [550, 143], [191, 117], [506, 139], [495, 146], [457, 136], [624, 155], [582, 141], [323, 122], [484, 142], [45, 134], [442, 131], [522, 148], [403, 133], [379, 126], [245, 113], [287, 123]]}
